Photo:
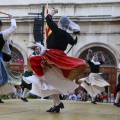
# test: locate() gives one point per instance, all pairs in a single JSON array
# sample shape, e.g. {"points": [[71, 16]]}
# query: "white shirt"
{"points": [[6, 36]]}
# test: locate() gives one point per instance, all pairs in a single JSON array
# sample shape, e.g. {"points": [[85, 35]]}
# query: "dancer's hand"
{"points": [[10, 16], [53, 11], [100, 52], [89, 51]]}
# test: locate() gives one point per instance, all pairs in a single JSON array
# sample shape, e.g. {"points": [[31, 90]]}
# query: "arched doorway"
{"points": [[16, 54], [108, 69]]}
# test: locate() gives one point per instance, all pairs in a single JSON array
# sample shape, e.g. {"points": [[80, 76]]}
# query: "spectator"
{"points": [[18, 92], [111, 99], [72, 96]]}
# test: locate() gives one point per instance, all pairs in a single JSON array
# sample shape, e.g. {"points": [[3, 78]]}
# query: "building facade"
{"points": [[99, 22]]}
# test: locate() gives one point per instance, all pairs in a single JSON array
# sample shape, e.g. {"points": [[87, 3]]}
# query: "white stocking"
{"points": [[92, 98], [117, 97], [56, 99], [25, 92]]}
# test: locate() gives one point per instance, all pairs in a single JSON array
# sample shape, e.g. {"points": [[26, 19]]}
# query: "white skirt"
{"points": [[7, 88], [95, 84], [53, 82]]}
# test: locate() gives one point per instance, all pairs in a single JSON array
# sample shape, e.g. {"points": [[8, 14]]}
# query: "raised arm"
{"points": [[102, 56], [53, 26], [88, 55], [8, 32]]}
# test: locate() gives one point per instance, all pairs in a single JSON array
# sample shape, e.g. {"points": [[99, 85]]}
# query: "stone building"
{"points": [[100, 29]]}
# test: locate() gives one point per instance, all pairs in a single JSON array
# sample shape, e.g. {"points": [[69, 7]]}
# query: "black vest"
{"points": [[2, 42], [6, 57]]}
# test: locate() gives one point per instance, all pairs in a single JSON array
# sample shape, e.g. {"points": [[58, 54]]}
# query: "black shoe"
{"points": [[57, 108], [117, 104], [1, 101], [24, 99], [93, 102], [50, 110]]}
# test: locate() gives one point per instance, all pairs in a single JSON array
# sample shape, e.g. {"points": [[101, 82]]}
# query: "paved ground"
{"points": [[35, 110]]}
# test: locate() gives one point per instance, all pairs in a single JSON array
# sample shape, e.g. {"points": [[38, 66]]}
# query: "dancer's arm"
{"points": [[102, 56], [8, 32], [53, 26], [88, 55]]}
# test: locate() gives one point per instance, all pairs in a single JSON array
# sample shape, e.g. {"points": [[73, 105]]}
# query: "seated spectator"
{"points": [[18, 93], [88, 98], [79, 95], [72, 96], [111, 99], [97, 98], [105, 97]]}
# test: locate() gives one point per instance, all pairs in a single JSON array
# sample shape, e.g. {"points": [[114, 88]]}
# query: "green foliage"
{"points": [[4, 96]]}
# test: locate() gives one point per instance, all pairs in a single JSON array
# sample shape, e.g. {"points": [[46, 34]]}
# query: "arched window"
{"points": [[16, 54], [109, 58]]}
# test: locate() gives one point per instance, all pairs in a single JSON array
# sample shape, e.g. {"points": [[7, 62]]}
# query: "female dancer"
{"points": [[94, 83], [54, 70]]}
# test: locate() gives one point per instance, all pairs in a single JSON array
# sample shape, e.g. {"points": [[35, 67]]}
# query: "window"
{"points": [[16, 54]]}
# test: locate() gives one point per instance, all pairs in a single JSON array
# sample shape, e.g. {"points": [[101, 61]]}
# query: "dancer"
{"points": [[94, 83], [54, 70], [27, 87], [5, 55], [117, 99]]}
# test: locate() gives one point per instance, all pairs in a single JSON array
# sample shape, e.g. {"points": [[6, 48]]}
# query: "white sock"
{"points": [[56, 99], [117, 97], [25, 92], [92, 98]]}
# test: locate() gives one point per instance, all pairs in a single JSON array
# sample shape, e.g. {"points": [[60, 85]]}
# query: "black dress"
{"points": [[118, 85], [58, 39], [94, 68]]}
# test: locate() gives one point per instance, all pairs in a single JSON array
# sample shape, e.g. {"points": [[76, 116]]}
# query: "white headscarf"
{"points": [[66, 24], [95, 63]]}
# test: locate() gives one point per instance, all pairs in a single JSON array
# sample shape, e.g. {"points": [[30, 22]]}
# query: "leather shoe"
{"points": [[24, 99]]}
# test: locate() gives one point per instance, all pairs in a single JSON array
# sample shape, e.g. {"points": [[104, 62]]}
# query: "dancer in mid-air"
{"points": [[94, 83], [55, 71]]}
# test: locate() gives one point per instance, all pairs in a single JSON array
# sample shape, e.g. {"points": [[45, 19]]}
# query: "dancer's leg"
{"points": [[93, 100], [117, 99], [57, 104], [24, 95], [1, 100]]}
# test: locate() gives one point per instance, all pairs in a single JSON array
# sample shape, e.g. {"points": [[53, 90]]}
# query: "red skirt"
{"points": [[71, 67]]}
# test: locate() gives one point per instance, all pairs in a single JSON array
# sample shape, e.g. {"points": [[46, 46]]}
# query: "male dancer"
{"points": [[27, 87], [5, 54], [117, 99]]}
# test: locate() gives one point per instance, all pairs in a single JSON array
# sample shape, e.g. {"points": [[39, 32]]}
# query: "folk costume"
{"points": [[27, 87], [117, 99], [7, 77], [94, 83], [54, 70]]}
